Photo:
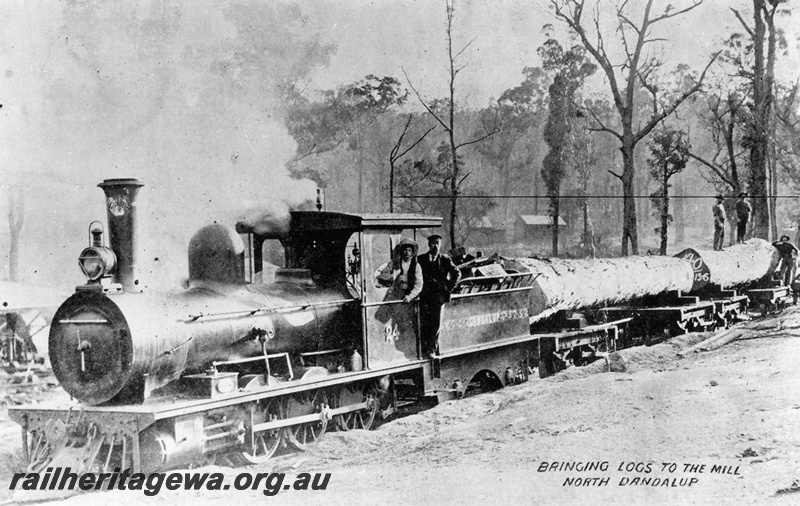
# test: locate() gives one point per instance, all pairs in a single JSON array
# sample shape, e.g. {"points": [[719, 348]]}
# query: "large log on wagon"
{"points": [[736, 266], [565, 284], [575, 284]]}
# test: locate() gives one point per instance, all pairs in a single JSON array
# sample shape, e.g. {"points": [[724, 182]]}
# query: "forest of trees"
{"points": [[600, 133], [550, 147]]}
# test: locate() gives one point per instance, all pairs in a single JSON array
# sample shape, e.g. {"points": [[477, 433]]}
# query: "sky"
{"points": [[506, 32], [144, 89]]}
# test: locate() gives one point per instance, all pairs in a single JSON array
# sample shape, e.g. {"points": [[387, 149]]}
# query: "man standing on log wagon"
{"points": [[719, 223], [439, 276], [743, 211], [788, 253]]}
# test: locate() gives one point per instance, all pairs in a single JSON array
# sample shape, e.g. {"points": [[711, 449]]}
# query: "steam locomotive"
{"points": [[236, 367]]}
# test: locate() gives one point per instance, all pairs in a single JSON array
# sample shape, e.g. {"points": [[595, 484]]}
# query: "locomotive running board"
{"points": [[147, 414]]}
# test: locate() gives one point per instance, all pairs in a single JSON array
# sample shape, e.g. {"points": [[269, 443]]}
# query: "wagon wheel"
{"points": [[303, 435], [486, 381], [363, 418], [726, 320], [264, 443]]}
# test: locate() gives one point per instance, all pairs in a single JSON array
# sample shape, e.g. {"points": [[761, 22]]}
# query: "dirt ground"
{"points": [[736, 408]]}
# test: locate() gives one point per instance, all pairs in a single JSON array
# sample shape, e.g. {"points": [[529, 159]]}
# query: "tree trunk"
{"points": [[16, 219], [506, 191], [629, 232], [664, 223], [554, 211], [773, 189], [13, 256], [360, 171], [797, 237], [587, 238], [391, 186], [453, 190], [759, 127], [576, 284], [733, 226], [680, 215]]}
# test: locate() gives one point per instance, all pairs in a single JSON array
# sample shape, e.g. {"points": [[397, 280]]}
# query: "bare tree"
{"points": [[762, 127], [449, 124], [638, 69], [723, 120], [395, 154], [788, 117]]}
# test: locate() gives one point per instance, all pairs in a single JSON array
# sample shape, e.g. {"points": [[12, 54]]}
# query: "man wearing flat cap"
{"points": [[440, 276], [743, 212]]}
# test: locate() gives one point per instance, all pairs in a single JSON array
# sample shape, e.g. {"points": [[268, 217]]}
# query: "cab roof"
{"points": [[313, 221]]}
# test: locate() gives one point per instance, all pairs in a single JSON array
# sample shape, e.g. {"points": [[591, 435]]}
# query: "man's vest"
{"points": [[411, 275]]}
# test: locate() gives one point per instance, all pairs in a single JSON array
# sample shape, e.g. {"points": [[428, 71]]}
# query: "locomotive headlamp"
{"points": [[97, 261]]}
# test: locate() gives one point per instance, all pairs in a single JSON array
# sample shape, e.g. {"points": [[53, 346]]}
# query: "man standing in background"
{"points": [[719, 223], [743, 211]]}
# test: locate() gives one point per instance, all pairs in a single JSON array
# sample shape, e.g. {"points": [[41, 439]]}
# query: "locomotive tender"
{"points": [[237, 367]]}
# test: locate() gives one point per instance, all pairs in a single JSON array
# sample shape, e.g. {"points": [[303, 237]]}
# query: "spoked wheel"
{"points": [[264, 443], [363, 418], [303, 435]]}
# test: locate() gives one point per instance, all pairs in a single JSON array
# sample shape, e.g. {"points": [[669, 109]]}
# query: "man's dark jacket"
{"points": [[438, 278]]}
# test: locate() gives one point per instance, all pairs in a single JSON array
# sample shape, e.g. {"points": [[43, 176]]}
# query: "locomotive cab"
{"points": [[344, 253], [326, 246]]}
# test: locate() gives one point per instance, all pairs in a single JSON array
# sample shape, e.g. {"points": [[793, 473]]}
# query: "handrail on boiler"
{"points": [[251, 312]]}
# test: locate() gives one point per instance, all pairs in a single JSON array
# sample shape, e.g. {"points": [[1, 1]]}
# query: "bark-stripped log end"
{"points": [[737, 266]]}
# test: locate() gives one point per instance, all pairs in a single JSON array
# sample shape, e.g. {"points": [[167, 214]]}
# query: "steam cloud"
{"points": [[105, 90]]}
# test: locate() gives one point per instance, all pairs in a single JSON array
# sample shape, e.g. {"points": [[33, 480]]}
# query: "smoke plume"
{"points": [[185, 96]]}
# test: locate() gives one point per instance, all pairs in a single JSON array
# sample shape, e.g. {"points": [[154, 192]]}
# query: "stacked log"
{"points": [[736, 266], [576, 284], [565, 284]]}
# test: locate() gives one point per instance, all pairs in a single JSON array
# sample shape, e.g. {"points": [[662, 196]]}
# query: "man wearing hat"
{"points": [[788, 255], [404, 273], [743, 211], [440, 276], [719, 223]]}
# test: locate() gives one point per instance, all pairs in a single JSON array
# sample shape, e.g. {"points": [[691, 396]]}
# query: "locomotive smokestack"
{"points": [[121, 210]]}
